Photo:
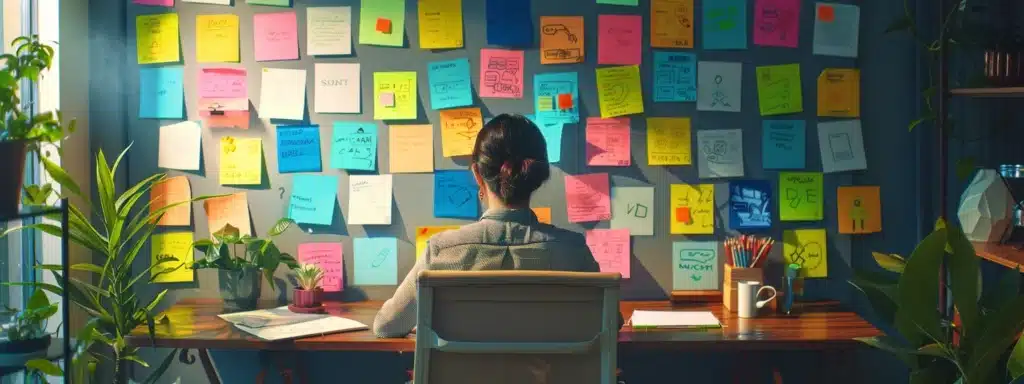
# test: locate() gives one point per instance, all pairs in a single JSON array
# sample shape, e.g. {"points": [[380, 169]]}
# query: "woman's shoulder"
{"points": [[486, 231]]}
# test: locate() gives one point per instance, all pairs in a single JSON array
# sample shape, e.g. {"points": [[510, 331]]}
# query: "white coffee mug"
{"points": [[747, 293]]}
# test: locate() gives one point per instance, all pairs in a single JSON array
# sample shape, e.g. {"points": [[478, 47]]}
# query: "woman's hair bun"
{"points": [[511, 156]]}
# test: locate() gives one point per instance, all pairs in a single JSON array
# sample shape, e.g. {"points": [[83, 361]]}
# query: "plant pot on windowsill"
{"points": [[16, 353], [12, 175], [307, 300]]}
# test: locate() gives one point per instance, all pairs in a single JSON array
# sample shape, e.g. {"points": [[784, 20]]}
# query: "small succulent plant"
{"points": [[309, 276]]}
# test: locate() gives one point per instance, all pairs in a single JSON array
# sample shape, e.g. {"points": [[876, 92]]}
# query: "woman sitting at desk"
{"points": [[510, 162]]}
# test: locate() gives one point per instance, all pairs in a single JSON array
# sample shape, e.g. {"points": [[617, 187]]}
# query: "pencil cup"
{"points": [[747, 293], [731, 276]]}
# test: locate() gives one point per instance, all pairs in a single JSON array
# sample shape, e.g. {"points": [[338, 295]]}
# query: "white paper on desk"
{"points": [[273, 317], [328, 31], [337, 88], [180, 146], [324, 324], [836, 29], [842, 146], [283, 94], [721, 153], [674, 319], [369, 199], [719, 86]]}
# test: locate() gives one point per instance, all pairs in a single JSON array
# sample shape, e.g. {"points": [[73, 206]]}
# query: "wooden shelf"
{"points": [[989, 92], [1007, 255]]}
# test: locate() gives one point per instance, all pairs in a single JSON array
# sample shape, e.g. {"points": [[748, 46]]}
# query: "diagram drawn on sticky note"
{"points": [[693, 209], [800, 196], [860, 209], [695, 265], [808, 249]]}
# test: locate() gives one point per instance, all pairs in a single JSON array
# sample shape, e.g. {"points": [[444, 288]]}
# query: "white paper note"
{"points": [[369, 200], [328, 31], [337, 88], [633, 209], [836, 29], [283, 94], [842, 146], [217, 2], [180, 146], [721, 153], [719, 86]]}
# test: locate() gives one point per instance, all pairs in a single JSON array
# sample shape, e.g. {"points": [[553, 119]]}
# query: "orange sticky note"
{"points": [[826, 13], [231, 209], [543, 214], [458, 130], [860, 209], [170, 191], [561, 39], [565, 101], [683, 215], [384, 25]]}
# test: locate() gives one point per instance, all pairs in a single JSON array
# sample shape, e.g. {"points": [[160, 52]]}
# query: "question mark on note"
{"points": [[282, 192]]}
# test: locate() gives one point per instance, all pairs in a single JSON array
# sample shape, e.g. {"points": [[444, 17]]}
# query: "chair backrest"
{"points": [[505, 327]]}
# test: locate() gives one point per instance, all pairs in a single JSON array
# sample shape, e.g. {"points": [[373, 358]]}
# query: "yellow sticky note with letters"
{"points": [[156, 38], [440, 24], [839, 92], [459, 128], [424, 233], [800, 195], [241, 161], [217, 38], [668, 141], [176, 247], [692, 209], [402, 87], [619, 92], [778, 89], [808, 249]]}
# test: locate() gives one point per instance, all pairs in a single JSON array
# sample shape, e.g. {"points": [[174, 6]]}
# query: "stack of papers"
{"points": [[674, 319], [282, 324]]}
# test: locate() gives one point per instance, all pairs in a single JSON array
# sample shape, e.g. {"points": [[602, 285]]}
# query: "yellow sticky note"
{"points": [[672, 23], [543, 214], [424, 233], [619, 92], [860, 209], [668, 141], [440, 24], [403, 87], [561, 39], [800, 195], [692, 209], [839, 92], [807, 248], [458, 130], [217, 38], [778, 89], [545, 103], [156, 38], [241, 161], [411, 148], [176, 247]]}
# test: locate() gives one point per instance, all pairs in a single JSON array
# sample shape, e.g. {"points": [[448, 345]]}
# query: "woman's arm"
{"points": [[397, 317]]}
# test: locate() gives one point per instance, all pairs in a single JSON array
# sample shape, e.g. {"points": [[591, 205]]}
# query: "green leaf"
{"points": [[903, 23], [918, 289], [882, 297], [934, 350], [280, 226], [227, 235], [87, 267], [136, 359], [38, 300], [1015, 364], [891, 263], [202, 244], [965, 167], [1007, 288], [891, 345], [933, 374], [919, 121], [963, 281], [47, 367], [62, 177], [1000, 332]]}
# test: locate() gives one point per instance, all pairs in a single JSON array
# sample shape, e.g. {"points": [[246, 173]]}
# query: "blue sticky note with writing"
{"points": [[376, 260], [784, 144], [450, 84], [509, 23], [725, 24], [455, 195], [552, 131], [354, 146], [161, 92], [750, 204], [675, 76], [548, 89], [298, 148], [313, 199]]}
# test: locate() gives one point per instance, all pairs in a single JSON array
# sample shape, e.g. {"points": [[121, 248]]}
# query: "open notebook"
{"points": [[674, 319], [282, 324]]}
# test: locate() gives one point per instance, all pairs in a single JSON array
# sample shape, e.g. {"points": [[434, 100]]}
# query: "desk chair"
{"points": [[516, 327]]}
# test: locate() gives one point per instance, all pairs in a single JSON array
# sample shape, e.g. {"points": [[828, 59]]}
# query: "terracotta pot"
{"points": [[12, 176], [307, 298], [1004, 69]]}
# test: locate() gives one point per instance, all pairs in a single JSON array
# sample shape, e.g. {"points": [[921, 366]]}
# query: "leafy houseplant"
{"points": [[240, 260], [308, 293], [26, 334]]}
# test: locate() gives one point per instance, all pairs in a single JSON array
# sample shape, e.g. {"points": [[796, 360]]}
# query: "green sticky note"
{"points": [[778, 89], [276, 3], [632, 3], [382, 22], [800, 196]]}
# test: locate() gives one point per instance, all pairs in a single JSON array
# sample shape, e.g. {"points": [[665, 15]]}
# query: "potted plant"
{"points": [[241, 260], [307, 297], [25, 337]]}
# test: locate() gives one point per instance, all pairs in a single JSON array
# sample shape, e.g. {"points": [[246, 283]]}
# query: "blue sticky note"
{"points": [[675, 76], [450, 84], [552, 131], [509, 23], [161, 92], [313, 199], [298, 148], [725, 24], [455, 195], [354, 146], [376, 260], [546, 90], [784, 144], [750, 204]]}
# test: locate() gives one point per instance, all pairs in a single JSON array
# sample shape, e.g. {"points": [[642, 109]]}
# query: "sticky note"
{"points": [[561, 39], [387, 99], [545, 104], [783, 144], [180, 146], [232, 209], [631, 3], [672, 23], [543, 214], [459, 128], [700, 201], [778, 89], [839, 92], [501, 73], [376, 260], [450, 84], [403, 86], [383, 25], [826, 13], [668, 141], [411, 148], [159, 3], [695, 265], [725, 24], [455, 195], [175, 251], [328, 31], [156, 38], [618, 39], [842, 146], [552, 131], [161, 92], [750, 204], [313, 199], [354, 146], [719, 86], [369, 199], [836, 30], [215, 2], [241, 161], [721, 153], [633, 210], [800, 196], [223, 98], [423, 235], [283, 94], [298, 148], [217, 38], [860, 209], [222, 83], [329, 257], [440, 24], [608, 142], [808, 249], [509, 23], [337, 88], [565, 101], [619, 92], [382, 22], [587, 197], [610, 248], [777, 23], [275, 36], [675, 76], [170, 191], [547, 87], [275, 3]]}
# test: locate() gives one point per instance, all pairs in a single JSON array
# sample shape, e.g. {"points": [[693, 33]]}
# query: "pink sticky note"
{"points": [[501, 73], [777, 23], [222, 83], [608, 141], [159, 3], [618, 39], [387, 99], [275, 36], [327, 256], [611, 249], [587, 197]]}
